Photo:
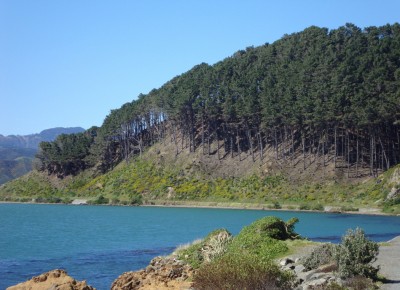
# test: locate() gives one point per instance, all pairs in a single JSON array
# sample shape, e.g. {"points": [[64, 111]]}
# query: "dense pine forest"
{"points": [[317, 96]]}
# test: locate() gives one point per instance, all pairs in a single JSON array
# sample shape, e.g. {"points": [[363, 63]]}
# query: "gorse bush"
{"points": [[264, 238], [100, 200], [213, 246], [321, 255], [355, 255], [241, 271]]}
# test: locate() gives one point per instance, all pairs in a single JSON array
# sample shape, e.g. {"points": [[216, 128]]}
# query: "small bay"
{"points": [[98, 243]]}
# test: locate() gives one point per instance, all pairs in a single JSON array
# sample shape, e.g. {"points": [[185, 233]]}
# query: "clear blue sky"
{"points": [[68, 63]]}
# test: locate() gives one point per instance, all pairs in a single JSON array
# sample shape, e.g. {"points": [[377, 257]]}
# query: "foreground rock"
{"points": [[54, 280], [318, 278], [162, 273]]}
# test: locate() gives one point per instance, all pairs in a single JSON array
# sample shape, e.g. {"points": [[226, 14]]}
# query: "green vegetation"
{"points": [[237, 271], [248, 260], [266, 238], [355, 255], [211, 247], [351, 259], [321, 255], [142, 181], [244, 261]]}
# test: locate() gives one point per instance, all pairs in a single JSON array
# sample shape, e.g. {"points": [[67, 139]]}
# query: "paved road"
{"points": [[389, 260]]}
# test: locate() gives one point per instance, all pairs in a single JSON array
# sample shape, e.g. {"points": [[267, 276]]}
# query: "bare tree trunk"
{"points": [[276, 145], [357, 155], [348, 153], [202, 133], [208, 138], [292, 145], [238, 143], [231, 147], [261, 146], [216, 133], [384, 156], [371, 156], [175, 139], [248, 131], [303, 141]]}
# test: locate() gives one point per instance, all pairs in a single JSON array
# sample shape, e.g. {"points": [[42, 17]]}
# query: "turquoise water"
{"points": [[98, 243]]}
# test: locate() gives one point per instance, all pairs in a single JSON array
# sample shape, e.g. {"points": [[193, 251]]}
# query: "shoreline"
{"points": [[246, 206], [221, 205]]}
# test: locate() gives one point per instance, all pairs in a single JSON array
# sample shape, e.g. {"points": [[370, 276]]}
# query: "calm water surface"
{"points": [[98, 243]]}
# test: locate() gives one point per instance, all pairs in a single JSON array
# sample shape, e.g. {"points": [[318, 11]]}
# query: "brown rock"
{"points": [[54, 280], [162, 273]]}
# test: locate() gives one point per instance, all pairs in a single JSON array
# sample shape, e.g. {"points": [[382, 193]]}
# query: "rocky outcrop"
{"points": [[313, 279], [162, 273], [54, 280]]}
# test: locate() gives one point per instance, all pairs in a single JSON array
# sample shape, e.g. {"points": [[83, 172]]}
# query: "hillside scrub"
{"points": [[144, 181]]}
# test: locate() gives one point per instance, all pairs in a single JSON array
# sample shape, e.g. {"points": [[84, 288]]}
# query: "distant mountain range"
{"points": [[32, 141], [17, 152]]}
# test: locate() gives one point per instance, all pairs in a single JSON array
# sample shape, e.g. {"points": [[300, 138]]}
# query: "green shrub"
{"points": [[318, 206], [241, 271], [355, 255], [115, 201], [100, 200], [136, 199], [321, 255], [275, 205], [304, 207], [348, 208], [264, 238]]}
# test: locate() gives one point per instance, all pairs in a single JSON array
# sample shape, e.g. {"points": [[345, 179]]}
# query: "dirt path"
{"points": [[389, 260]]}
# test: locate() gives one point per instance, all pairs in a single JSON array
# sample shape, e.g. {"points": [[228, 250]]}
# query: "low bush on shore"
{"points": [[244, 261], [241, 271], [355, 255]]}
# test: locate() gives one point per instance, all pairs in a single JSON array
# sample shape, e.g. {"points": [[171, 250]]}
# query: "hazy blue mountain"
{"points": [[32, 141], [17, 152]]}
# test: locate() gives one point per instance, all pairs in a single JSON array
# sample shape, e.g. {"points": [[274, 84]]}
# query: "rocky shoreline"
{"points": [[55, 279], [171, 273]]}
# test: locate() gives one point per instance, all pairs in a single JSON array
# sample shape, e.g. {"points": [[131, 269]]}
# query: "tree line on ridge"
{"points": [[326, 95]]}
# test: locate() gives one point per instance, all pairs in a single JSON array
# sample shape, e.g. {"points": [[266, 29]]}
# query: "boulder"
{"points": [[54, 280], [162, 273]]}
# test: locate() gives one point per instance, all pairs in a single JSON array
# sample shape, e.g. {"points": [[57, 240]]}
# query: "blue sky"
{"points": [[68, 63]]}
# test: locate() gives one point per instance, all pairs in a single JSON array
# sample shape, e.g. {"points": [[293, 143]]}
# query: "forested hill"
{"points": [[326, 96]]}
